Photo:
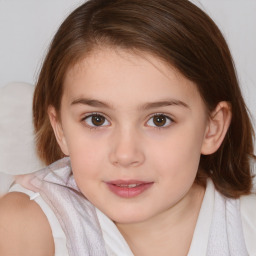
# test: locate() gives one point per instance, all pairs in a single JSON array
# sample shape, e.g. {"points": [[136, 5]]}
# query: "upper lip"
{"points": [[127, 182]]}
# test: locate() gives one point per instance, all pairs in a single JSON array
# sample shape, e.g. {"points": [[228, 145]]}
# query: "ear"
{"points": [[217, 128], [58, 130]]}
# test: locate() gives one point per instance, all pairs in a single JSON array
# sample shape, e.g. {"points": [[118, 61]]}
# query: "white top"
{"points": [[116, 245], [114, 241], [57, 232]]}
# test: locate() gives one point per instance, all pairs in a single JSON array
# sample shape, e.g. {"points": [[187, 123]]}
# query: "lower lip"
{"points": [[129, 192]]}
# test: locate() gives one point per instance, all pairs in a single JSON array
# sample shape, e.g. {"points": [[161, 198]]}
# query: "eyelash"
{"points": [[165, 116], [91, 115], [102, 115]]}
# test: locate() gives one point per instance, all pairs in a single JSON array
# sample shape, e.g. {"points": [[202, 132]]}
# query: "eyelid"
{"points": [[161, 114], [107, 119], [92, 114]]}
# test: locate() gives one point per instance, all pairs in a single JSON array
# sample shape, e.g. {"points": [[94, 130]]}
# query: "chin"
{"points": [[128, 217]]}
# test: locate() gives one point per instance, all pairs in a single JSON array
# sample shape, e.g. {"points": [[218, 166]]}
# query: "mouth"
{"points": [[128, 188]]}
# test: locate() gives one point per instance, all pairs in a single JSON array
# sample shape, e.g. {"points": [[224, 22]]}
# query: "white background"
{"points": [[27, 26]]}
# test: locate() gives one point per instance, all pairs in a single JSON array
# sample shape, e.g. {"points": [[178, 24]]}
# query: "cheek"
{"points": [[178, 155], [84, 145], [87, 168], [87, 155]]}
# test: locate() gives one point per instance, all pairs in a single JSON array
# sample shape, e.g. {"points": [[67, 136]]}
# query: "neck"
{"points": [[169, 233]]}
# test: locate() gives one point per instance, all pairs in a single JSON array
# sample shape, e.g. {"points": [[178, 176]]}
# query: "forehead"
{"points": [[117, 74]]}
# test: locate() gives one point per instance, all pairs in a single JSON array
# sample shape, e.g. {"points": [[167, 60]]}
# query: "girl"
{"points": [[138, 105]]}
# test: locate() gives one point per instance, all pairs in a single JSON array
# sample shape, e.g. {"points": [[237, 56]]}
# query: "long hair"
{"points": [[179, 33]]}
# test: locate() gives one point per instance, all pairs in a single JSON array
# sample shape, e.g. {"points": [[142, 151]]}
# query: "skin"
{"points": [[128, 144], [24, 229], [121, 86]]}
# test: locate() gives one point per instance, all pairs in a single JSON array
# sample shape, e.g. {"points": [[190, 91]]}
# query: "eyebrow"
{"points": [[91, 102], [163, 103], [146, 106]]}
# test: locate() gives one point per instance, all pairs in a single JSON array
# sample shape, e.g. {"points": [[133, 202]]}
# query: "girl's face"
{"points": [[134, 128]]}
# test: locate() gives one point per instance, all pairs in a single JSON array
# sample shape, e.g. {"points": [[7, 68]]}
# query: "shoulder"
{"points": [[248, 215], [24, 229]]}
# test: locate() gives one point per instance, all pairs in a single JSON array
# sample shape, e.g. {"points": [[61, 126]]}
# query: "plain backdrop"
{"points": [[27, 26]]}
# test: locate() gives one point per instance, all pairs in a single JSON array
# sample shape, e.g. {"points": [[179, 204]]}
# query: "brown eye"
{"points": [[96, 120], [159, 120]]}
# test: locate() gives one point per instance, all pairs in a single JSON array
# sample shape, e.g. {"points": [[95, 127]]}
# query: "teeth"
{"points": [[132, 185], [128, 185]]}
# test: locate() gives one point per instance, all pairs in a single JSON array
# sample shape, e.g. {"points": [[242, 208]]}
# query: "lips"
{"points": [[128, 188]]}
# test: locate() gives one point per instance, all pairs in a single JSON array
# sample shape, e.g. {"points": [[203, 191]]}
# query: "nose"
{"points": [[126, 149]]}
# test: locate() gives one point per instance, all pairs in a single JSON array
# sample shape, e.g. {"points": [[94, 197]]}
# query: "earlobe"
{"points": [[58, 130], [217, 128]]}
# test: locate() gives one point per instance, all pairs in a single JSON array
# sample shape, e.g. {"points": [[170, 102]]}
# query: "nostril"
{"points": [[127, 158]]}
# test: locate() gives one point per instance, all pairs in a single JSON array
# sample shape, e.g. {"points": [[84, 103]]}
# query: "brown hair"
{"points": [[176, 31]]}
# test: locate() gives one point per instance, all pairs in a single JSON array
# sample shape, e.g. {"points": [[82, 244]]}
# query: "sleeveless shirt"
{"points": [[79, 228]]}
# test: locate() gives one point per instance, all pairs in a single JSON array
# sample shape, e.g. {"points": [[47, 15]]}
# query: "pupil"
{"points": [[159, 120], [98, 120]]}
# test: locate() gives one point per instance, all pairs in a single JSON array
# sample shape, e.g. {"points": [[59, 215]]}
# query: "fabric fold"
{"points": [[76, 215]]}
